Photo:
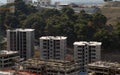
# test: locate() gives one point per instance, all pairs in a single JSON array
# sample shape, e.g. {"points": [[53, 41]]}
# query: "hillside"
{"points": [[112, 12], [112, 4]]}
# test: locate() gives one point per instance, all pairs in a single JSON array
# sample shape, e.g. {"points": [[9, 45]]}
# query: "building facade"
{"points": [[28, 1], [21, 40], [7, 59], [103, 68], [86, 52], [51, 67], [10, 1], [14, 72], [53, 47], [44, 2]]}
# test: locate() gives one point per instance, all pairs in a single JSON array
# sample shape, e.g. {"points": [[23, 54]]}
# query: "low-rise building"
{"points": [[104, 68], [7, 58], [44, 2], [13, 72], [51, 67]]}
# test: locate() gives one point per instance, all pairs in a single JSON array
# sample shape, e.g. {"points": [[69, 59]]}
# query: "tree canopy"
{"points": [[76, 26]]}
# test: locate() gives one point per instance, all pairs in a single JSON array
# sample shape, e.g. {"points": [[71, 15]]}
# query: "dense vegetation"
{"points": [[76, 26]]}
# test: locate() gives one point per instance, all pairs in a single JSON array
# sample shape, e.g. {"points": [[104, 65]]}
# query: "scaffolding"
{"points": [[46, 67], [104, 68]]}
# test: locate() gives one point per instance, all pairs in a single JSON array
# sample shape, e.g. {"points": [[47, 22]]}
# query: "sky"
{"points": [[77, 1], [3, 1]]}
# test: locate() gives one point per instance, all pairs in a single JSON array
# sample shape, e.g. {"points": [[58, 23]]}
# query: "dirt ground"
{"points": [[112, 14], [111, 56]]}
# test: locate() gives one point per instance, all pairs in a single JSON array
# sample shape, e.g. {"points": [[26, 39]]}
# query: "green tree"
{"points": [[22, 8], [2, 18], [117, 29], [83, 17], [117, 35], [52, 26], [99, 20], [11, 21], [69, 12], [106, 37], [46, 13], [36, 22], [79, 31]]}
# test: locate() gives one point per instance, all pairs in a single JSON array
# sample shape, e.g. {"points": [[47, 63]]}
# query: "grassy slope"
{"points": [[112, 14]]}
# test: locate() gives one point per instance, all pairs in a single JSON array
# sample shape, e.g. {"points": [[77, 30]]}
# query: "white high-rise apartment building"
{"points": [[10, 1], [53, 47], [86, 52], [21, 40]]}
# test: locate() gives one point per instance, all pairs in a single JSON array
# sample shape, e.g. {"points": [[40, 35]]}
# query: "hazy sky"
{"points": [[82, 1], [65, 0]]}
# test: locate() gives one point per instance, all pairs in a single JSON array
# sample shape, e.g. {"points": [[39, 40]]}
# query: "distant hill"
{"points": [[112, 4]]}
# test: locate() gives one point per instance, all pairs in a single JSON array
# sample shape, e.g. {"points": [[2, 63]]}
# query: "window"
{"points": [[57, 47], [44, 47], [51, 45], [44, 43], [57, 54], [93, 57], [93, 50], [93, 54], [80, 50], [79, 53]]}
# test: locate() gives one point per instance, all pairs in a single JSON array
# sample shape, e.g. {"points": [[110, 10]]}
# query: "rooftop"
{"points": [[51, 64], [12, 72], [6, 52], [105, 64], [92, 43], [53, 37], [20, 29]]}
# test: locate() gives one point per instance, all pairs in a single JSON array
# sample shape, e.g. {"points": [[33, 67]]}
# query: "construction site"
{"points": [[103, 68], [51, 67], [7, 59]]}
